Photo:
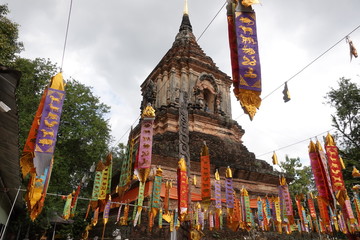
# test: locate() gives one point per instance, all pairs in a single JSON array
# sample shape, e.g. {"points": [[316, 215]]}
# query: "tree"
{"points": [[83, 137], [346, 119], [303, 180], [9, 44], [84, 131]]}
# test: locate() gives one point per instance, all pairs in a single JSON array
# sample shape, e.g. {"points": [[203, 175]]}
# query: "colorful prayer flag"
{"points": [[243, 38], [183, 188], [205, 177]]}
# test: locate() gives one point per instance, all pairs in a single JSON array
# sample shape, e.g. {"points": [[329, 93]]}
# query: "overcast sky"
{"points": [[114, 45]]}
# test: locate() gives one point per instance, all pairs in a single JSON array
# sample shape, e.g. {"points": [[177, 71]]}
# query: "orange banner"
{"points": [[324, 214], [205, 179]]}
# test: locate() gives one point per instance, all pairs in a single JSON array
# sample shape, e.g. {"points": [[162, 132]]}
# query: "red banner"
{"points": [[311, 207], [182, 190], [320, 172], [335, 168]]}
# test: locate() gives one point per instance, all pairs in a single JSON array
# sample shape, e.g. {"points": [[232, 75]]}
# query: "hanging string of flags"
{"points": [[240, 214], [37, 160], [334, 211]]}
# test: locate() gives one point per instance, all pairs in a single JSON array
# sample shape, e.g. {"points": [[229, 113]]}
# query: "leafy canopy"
{"points": [[9, 34], [302, 176]]}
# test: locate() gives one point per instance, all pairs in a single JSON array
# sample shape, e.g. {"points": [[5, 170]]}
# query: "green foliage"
{"points": [[303, 180], [346, 102], [83, 137], [119, 155], [9, 45]]}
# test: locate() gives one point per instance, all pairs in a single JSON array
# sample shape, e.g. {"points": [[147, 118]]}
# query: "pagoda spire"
{"points": [[185, 24], [186, 10]]}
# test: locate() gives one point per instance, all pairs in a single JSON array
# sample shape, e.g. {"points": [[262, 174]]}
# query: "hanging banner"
{"points": [[349, 211], [37, 157], [49, 124], [267, 208], [107, 210], [126, 168], [324, 214], [311, 206], [205, 177], [260, 209], [217, 191], [285, 195], [145, 143], [124, 219], [234, 217], [277, 218], [160, 217], [119, 212], [249, 83], [246, 207], [105, 178], [155, 196], [183, 189], [197, 214], [334, 164], [37, 190], [145, 147], [324, 164], [97, 183], [229, 189], [266, 215], [211, 221], [66, 211], [140, 200], [168, 186], [74, 200], [95, 217], [319, 171]]}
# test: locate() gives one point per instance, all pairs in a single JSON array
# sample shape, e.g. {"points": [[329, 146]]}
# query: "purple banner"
{"points": [[107, 210], [145, 147], [287, 201], [50, 120], [217, 194], [248, 55], [48, 129], [229, 193]]}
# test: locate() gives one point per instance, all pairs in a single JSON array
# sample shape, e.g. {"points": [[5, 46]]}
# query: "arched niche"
{"points": [[207, 94]]}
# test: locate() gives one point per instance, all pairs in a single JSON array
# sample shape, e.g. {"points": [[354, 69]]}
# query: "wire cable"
{"points": [[66, 36], [290, 145], [211, 22], [309, 64]]}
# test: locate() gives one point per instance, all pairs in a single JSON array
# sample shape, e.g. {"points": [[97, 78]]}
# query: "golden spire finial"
{"points": [[228, 173], [186, 11]]}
